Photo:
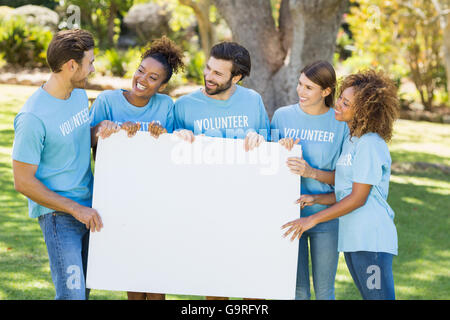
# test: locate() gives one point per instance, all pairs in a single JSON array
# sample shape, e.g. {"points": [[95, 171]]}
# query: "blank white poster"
{"points": [[193, 219]]}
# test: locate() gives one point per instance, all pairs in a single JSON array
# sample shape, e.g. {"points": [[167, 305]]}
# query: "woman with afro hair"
{"points": [[143, 107], [368, 103]]}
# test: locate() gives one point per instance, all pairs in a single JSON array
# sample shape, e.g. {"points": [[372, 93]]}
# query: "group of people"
{"points": [[344, 167]]}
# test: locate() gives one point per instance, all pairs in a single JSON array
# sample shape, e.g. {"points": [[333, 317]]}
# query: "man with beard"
{"points": [[223, 108], [51, 160]]}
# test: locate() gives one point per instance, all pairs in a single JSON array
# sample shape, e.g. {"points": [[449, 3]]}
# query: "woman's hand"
{"points": [[306, 200], [298, 226], [131, 128], [288, 143], [301, 167], [106, 128], [156, 129], [186, 135], [252, 140]]}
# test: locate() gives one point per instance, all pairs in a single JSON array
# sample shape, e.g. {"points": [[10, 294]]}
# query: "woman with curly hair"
{"points": [[142, 107], [368, 103]]}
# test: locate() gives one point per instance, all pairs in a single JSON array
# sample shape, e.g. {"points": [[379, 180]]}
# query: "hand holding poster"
{"points": [[193, 219]]}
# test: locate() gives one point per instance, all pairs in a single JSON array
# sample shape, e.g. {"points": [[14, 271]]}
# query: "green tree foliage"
{"points": [[18, 3], [402, 34], [101, 17]]}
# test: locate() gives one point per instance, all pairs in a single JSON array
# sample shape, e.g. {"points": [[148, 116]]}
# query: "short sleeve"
{"points": [[274, 128], [98, 112], [367, 161], [169, 119], [29, 137], [178, 116], [264, 126]]}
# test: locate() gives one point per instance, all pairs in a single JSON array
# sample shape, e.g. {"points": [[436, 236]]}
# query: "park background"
{"points": [[409, 39]]}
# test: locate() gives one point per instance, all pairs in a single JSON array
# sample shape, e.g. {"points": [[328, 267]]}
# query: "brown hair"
{"points": [[322, 73], [236, 54], [166, 52], [67, 45], [376, 103]]}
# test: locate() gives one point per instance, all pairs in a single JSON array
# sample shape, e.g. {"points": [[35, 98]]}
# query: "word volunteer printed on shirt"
{"points": [[112, 105], [321, 137], [229, 122], [144, 124], [310, 135], [244, 111], [370, 227], [75, 121], [54, 134]]}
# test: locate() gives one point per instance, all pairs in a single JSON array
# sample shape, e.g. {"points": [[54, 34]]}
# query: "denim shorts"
{"points": [[67, 241]]}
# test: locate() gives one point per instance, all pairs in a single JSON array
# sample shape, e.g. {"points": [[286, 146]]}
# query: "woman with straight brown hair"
{"points": [[311, 123]]}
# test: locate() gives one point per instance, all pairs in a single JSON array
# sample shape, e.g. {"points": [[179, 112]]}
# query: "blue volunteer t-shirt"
{"points": [[112, 105], [55, 135], [232, 118], [321, 137], [371, 227]]}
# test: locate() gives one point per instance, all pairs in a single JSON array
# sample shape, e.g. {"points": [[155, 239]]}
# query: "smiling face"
{"points": [[80, 77], [218, 77], [344, 110], [310, 93], [148, 78]]}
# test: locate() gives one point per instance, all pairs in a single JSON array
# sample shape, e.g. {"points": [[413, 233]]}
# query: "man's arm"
{"points": [[26, 183]]}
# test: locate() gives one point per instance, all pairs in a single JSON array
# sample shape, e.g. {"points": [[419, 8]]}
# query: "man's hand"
{"points": [[288, 143], [131, 128], [156, 129], [106, 128], [89, 217], [252, 141], [26, 183], [186, 135]]}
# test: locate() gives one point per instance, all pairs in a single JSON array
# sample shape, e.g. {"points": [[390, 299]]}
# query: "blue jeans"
{"points": [[372, 274], [67, 242], [323, 240]]}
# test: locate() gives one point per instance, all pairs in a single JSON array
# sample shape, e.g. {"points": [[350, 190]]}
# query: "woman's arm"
{"points": [[302, 168], [357, 198], [306, 200]]}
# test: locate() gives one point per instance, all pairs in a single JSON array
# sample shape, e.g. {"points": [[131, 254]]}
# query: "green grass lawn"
{"points": [[419, 197]]}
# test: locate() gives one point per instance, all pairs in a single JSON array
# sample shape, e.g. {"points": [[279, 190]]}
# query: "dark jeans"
{"points": [[372, 274]]}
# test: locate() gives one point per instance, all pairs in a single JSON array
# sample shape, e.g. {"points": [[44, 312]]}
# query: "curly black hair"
{"points": [[168, 54]]}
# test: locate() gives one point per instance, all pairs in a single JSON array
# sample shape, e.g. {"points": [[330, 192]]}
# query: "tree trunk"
{"points": [[447, 50], [308, 30], [205, 27], [111, 17]]}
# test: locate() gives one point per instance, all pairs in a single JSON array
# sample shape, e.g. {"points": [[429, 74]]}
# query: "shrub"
{"points": [[119, 63], [23, 44], [195, 66]]}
